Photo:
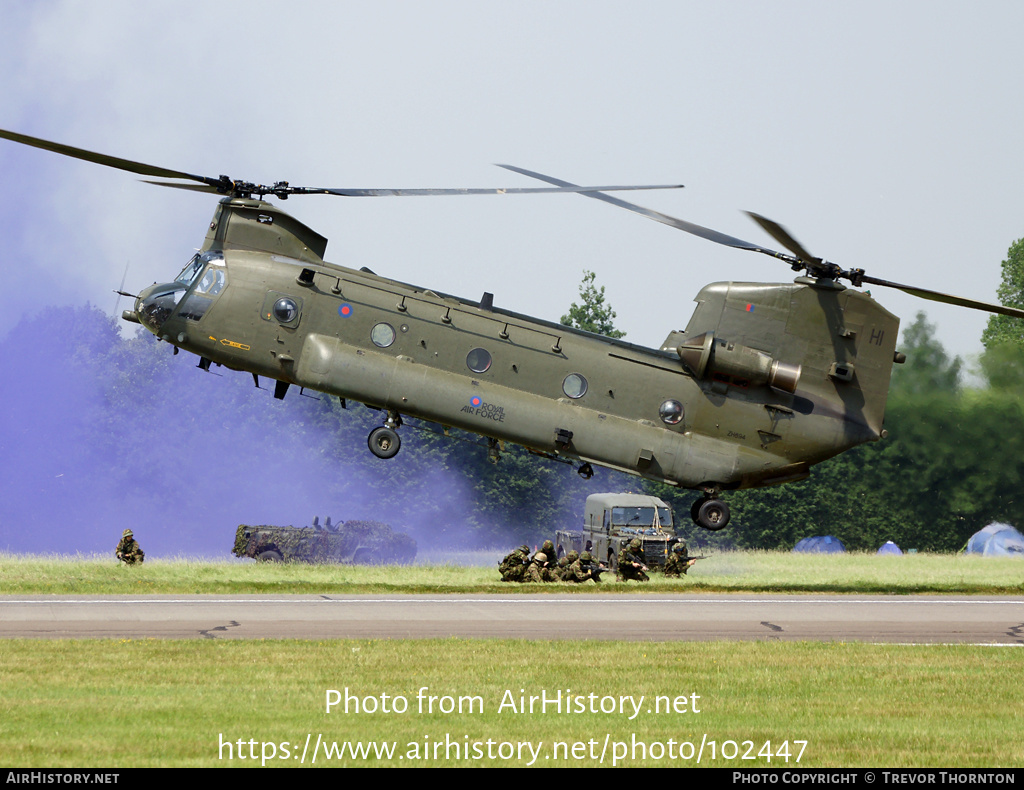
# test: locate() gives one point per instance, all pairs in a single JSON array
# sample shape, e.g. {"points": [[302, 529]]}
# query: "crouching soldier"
{"points": [[631, 563], [128, 550], [535, 571], [678, 562]]}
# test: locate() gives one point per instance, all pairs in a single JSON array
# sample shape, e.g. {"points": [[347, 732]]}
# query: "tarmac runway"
{"points": [[922, 619]]}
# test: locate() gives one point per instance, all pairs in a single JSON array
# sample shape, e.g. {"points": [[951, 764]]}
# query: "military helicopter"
{"points": [[765, 381]]}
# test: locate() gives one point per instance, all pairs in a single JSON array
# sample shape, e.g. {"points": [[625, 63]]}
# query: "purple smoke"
{"points": [[99, 433]]}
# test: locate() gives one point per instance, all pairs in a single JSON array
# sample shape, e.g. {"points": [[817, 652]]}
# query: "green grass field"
{"points": [[190, 703], [130, 703], [723, 572]]}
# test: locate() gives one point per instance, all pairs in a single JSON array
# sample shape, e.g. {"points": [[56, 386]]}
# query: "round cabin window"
{"points": [[575, 386], [383, 335], [479, 360]]}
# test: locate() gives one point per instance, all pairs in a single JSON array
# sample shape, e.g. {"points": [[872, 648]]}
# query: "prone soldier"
{"points": [[513, 566], [583, 568]]}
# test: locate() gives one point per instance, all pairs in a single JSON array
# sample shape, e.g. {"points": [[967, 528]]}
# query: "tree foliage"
{"points": [[592, 314], [928, 368], [1003, 366], [1001, 328]]}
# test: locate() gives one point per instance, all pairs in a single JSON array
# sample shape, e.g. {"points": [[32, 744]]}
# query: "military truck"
{"points": [[349, 542], [611, 521]]}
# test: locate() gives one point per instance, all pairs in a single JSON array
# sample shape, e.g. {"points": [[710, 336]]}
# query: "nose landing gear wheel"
{"points": [[712, 514], [384, 442]]}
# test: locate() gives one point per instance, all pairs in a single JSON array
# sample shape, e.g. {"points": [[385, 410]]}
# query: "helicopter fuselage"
{"points": [[765, 381]]}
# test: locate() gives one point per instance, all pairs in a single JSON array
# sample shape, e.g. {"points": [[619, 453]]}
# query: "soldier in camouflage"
{"points": [[535, 570], [578, 571], [514, 564], [552, 571], [679, 561], [563, 566], [592, 565], [128, 550], [631, 563]]}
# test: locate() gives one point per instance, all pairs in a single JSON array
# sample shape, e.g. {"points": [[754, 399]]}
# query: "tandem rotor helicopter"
{"points": [[765, 381]]}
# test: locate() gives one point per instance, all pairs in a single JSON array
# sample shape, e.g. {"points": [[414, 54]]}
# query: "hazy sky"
{"points": [[882, 135]]}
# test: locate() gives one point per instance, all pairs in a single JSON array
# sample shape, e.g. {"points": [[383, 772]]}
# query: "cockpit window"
{"points": [[158, 307], [209, 285], [212, 281], [188, 274], [194, 266]]}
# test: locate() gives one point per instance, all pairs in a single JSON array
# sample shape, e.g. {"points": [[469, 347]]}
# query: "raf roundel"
{"points": [[476, 401], [345, 310]]}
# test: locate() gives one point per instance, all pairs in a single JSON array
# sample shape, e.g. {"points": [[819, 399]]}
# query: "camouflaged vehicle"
{"points": [[611, 521], [350, 542]]}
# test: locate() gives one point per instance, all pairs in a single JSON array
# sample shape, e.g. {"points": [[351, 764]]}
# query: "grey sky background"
{"points": [[882, 135]]}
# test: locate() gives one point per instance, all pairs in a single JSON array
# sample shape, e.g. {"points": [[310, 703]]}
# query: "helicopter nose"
{"points": [[154, 305]]}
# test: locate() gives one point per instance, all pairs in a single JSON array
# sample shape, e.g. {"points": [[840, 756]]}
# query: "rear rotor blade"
{"points": [[938, 296], [657, 216], [816, 267], [781, 235]]}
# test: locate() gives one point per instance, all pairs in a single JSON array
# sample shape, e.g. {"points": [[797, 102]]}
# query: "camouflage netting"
{"points": [[364, 542]]}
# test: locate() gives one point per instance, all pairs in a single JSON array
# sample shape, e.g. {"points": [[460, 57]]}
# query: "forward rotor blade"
{"points": [[500, 191], [342, 192], [102, 159], [224, 185], [938, 296], [657, 216], [189, 187]]}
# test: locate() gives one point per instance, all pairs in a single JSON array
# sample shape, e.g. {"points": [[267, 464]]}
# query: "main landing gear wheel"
{"points": [[712, 514], [384, 442]]}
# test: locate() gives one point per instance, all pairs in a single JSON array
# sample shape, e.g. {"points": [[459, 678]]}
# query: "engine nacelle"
{"points": [[710, 358]]}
